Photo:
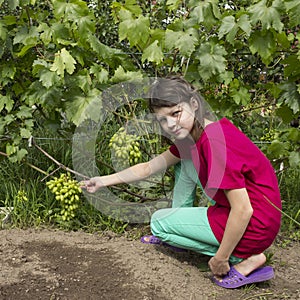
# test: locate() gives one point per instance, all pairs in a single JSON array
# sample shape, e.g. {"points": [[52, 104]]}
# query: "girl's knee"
{"points": [[156, 223]]}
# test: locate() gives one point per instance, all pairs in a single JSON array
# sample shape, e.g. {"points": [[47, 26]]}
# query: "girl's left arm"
{"points": [[238, 220]]}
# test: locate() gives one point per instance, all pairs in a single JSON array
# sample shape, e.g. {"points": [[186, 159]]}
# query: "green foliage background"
{"points": [[56, 56]]}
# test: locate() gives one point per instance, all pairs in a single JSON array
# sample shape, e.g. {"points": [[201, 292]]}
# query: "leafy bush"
{"points": [[57, 57]]}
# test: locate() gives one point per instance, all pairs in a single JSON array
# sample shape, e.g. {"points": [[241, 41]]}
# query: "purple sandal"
{"points": [[234, 279], [151, 239]]}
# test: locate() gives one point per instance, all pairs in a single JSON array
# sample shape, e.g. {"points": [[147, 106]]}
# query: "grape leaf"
{"points": [[269, 16], [240, 96], [60, 31], [185, 41], [21, 35], [38, 65], [278, 149], [282, 40], [230, 27], [27, 37], [3, 31], [121, 76], [294, 159], [63, 61], [21, 154], [173, 4], [24, 50], [263, 43], [245, 24], [102, 50], [7, 102], [25, 133], [71, 10], [294, 134], [136, 30], [13, 4], [285, 113], [100, 73], [46, 33], [226, 77], [81, 107], [291, 66], [153, 53], [10, 149], [212, 60], [8, 71], [290, 96], [24, 112], [132, 6], [228, 24], [293, 9], [48, 78], [58, 64], [206, 12], [86, 26], [84, 81], [38, 94]]}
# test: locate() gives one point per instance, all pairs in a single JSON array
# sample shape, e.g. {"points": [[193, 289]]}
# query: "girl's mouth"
{"points": [[176, 132]]}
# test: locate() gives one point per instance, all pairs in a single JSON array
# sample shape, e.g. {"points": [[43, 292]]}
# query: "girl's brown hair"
{"points": [[170, 91]]}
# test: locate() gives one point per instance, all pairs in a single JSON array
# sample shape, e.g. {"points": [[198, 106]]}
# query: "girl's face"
{"points": [[177, 120]]}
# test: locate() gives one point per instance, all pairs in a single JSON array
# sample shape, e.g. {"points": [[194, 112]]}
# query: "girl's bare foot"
{"points": [[250, 264]]}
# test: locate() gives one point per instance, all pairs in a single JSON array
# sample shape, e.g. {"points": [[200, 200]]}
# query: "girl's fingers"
{"points": [[83, 184]]}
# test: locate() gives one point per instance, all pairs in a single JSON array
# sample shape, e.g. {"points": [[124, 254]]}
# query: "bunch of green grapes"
{"points": [[126, 147], [21, 196], [67, 191], [269, 135]]}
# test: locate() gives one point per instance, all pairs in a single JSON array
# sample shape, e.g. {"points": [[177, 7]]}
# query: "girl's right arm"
{"points": [[135, 173]]}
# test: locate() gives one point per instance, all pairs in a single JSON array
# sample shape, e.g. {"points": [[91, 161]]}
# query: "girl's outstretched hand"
{"points": [[218, 267], [91, 185]]}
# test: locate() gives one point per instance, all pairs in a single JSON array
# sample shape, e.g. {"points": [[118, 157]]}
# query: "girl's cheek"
{"points": [[164, 127]]}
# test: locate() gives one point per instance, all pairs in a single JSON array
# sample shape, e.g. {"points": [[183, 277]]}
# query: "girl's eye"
{"points": [[176, 113]]}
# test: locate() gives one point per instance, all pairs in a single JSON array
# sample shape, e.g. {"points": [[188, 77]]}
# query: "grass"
{"points": [[24, 188], [290, 190]]}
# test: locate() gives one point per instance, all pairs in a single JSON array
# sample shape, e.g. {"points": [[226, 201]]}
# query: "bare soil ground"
{"points": [[50, 265]]}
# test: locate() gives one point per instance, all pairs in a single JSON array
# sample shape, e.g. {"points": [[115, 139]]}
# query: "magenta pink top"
{"points": [[225, 158]]}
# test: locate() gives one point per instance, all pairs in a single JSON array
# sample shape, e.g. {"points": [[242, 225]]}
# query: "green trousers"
{"points": [[184, 225]]}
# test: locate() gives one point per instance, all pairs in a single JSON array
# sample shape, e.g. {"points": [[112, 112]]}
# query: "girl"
{"points": [[233, 173]]}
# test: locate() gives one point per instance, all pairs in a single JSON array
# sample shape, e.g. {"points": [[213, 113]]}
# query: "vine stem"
{"points": [[27, 163], [4, 154], [60, 165], [281, 210]]}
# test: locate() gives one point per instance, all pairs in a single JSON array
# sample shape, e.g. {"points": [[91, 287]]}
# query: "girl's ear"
{"points": [[194, 104]]}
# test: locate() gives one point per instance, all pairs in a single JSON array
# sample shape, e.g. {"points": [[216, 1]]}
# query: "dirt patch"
{"points": [[55, 265]]}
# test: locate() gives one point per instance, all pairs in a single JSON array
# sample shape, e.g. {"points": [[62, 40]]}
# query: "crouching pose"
{"points": [[233, 173]]}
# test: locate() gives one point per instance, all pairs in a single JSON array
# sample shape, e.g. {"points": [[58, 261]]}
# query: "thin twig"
{"points": [[133, 194], [61, 166], [36, 168], [57, 162], [28, 164], [50, 174], [281, 211], [258, 295]]}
